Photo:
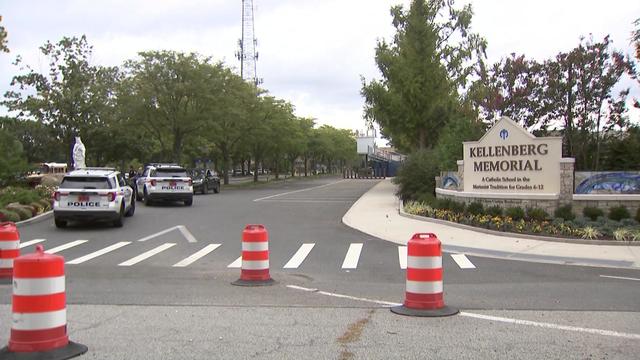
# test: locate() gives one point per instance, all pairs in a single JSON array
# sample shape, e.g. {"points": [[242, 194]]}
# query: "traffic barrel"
{"points": [[424, 287], [9, 250], [255, 257], [39, 321]]}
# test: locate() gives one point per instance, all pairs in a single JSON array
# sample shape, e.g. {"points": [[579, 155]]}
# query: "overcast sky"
{"points": [[312, 52]]}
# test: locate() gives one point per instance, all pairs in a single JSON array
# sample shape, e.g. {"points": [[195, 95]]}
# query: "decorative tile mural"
{"points": [[450, 180], [614, 182]]}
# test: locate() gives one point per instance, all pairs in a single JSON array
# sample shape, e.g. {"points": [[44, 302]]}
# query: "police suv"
{"points": [[164, 182], [93, 194]]}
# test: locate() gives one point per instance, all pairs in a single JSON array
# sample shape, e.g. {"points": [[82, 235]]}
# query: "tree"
{"points": [[422, 69], [3, 38], [68, 98], [37, 139], [169, 93], [12, 161]]}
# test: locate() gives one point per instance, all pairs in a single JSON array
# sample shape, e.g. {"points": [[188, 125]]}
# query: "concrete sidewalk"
{"points": [[377, 213]]}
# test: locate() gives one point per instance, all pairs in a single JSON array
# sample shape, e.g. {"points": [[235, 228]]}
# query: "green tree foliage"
{"points": [[37, 139], [12, 161], [422, 69], [415, 178], [70, 97], [575, 87], [3, 38], [168, 95]]}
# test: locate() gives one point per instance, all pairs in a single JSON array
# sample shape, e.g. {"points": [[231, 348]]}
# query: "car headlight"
{"points": [[198, 181]]}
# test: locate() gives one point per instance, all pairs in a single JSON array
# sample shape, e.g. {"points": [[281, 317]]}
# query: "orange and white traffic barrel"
{"points": [[9, 250], [39, 319], [424, 286], [255, 257]]}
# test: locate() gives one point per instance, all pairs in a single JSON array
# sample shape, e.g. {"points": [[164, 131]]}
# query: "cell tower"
{"points": [[248, 55]]}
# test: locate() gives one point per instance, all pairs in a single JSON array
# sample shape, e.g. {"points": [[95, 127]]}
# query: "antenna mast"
{"points": [[247, 54]]}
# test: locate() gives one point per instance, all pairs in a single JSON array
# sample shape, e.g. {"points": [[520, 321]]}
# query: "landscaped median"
{"points": [[618, 225], [20, 203]]}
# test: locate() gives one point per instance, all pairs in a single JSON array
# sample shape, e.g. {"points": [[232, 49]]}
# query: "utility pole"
{"points": [[247, 54]]}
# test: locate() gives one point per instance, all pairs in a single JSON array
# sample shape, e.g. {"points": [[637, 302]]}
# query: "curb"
{"points": [[402, 213], [35, 219]]}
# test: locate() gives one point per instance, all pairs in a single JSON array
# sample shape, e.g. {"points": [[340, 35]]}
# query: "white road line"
{"points": [[32, 242], [65, 246], [380, 302], [147, 254], [310, 201], [299, 256], [236, 264], [193, 258], [187, 234], [619, 277], [488, 317], [297, 191], [463, 261], [101, 252], [352, 257], [553, 326], [402, 256]]}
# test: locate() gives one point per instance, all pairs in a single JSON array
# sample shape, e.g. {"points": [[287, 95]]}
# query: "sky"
{"points": [[312, 53]]}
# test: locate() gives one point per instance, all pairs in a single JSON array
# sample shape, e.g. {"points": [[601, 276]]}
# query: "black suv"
{"points": [[205, 180]]}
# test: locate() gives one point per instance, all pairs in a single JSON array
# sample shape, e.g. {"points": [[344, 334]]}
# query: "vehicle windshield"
{"points": [[169, 173], [75, 182]]}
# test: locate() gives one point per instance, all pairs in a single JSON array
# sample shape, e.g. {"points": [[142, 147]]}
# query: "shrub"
{"points": [[10, 215], [24, 213], [494, 211], [622, 234], [638, 215], [17, 194], [618, 213], [516, 213], [564, 212], [37, 206], [475, 208], [590, 233], [458, 207], [537, 214], [416, 176], [592, 213], [46, 205]]}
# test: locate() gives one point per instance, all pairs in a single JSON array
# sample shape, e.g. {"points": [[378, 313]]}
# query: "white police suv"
{"points": [[164, 182], [93, 194]]}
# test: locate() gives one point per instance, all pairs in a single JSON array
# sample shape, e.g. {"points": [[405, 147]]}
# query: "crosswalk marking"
{"points": [[101, 252], [147, 254], [193, 258], [299, 256], [462, 261], [402, 256], [32, 242], [65, 246], [236, 264], [352, 257]]}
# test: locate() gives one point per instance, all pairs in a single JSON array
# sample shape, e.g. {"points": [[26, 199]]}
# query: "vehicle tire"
{"points": [[188, 202], [132, 208], [118, 222], [138, 197], [216, 188], [204, 189], [145, 198], [60, 223]]}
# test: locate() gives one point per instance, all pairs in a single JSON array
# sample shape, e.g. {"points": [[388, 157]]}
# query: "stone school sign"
{"points": [[508, 159]]}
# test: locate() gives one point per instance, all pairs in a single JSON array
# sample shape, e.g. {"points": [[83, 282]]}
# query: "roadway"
{"points": [[166, 275]]}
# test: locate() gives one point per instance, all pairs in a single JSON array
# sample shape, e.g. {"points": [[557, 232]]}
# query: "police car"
{"points": [[164, 182], [93, 194]]}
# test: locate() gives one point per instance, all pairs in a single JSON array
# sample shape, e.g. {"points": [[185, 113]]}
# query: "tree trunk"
{"points": [[306, 161]]}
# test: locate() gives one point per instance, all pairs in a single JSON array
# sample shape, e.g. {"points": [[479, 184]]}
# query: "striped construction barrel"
{"points": [[424, 284], [39, 314], [9, 249], [255, 257]]}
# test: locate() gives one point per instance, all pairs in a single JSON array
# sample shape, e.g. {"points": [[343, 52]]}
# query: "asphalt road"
{"points": [[318, 309]]}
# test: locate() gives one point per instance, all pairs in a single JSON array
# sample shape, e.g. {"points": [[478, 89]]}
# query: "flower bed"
{"points": [[530, 221], [20, 203]]}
